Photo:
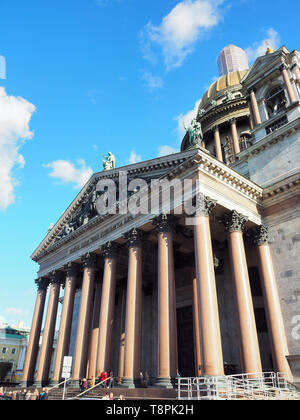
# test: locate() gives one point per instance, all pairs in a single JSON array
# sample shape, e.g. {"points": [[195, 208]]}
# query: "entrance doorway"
{"points": [[185, 332]]}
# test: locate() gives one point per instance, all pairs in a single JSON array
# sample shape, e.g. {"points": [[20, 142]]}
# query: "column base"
{"points": [[53, 383], [131, 383], [26, 384], [166, 383], [41, 384], [74, 383]]}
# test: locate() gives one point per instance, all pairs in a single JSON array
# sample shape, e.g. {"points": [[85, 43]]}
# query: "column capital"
{"points": [[55, 277], [232, 121], [42, 283], [134, 238], [204, 205], [234, 221], [283, 67], [71, 269], [89, 260], [164, 223], [216, 128], [110, 250], [260, 235]]}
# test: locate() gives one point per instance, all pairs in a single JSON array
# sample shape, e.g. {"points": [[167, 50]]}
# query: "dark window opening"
{"points": [[275, 101]]}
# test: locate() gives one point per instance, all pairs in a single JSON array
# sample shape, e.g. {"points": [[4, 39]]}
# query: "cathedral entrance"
{"points": [[186, 358]]}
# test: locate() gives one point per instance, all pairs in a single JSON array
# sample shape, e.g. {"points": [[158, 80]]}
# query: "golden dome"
{"points": [[222, 84]]}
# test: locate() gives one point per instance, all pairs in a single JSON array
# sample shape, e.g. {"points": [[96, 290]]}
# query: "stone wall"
{"points": [[277, 161], [285, 247]]}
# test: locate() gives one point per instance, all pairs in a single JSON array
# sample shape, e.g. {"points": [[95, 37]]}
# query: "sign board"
{"points": [[67, 367]]}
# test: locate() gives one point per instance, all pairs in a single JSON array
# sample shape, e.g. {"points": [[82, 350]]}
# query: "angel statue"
{"points": [[195, 134], [109, 162]]}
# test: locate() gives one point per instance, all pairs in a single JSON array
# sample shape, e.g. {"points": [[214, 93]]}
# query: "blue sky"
{"points": [[85, 77]]}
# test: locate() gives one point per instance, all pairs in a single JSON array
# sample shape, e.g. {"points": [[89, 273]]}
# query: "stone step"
{"points": [[128, 394]]}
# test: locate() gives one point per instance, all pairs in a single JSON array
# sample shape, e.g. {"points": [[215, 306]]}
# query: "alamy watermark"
{"points": [[2, 67], [151, 197], [296, 329]]}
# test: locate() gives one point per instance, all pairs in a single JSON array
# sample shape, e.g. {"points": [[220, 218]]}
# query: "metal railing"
{"points": [[59, 385], [256, 386], [92, 388]]}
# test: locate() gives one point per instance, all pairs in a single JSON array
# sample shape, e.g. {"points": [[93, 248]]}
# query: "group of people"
{"points": [[105, 379], [26, 395], [110, 396]]}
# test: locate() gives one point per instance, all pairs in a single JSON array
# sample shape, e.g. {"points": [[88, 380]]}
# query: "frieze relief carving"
{"points": [[88, 209], [82, 216]]}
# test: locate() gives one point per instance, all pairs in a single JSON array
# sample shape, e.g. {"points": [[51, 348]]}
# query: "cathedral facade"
{"points": [[195, 270]]}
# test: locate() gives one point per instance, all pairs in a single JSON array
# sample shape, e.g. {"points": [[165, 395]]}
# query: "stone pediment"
{"points": [[82, 211], [263, 65], [80, 218]]}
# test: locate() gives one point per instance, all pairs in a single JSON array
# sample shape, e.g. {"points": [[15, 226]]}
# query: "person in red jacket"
{"points": [[103, 377]]}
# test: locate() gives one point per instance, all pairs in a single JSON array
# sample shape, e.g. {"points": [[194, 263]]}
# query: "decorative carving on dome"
{"points": [[201, 112], [229, 96]]}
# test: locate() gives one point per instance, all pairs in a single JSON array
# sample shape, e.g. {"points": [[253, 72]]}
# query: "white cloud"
{"points": [[186, 119], [67, 172], [134, 158], [153, 82], [16, 311], [178, 32], [259, 49], [15, 115], [166, 150]]}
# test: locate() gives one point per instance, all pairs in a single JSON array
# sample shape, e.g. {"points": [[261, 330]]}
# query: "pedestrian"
{"points": [[146, 379], [42, 395], [111, 396], [81, 385], [85, 384], [111, 380], [142, 378], [104, 377], [28, 395], [106, 397], [35, 395]]}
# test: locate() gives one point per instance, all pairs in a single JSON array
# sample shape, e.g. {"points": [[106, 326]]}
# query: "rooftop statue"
{"points": [[109, 162], [195, 134]]}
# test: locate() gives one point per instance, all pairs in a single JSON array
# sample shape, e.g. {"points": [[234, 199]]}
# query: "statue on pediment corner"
{"points": [[195, 134], [109, 162]]}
